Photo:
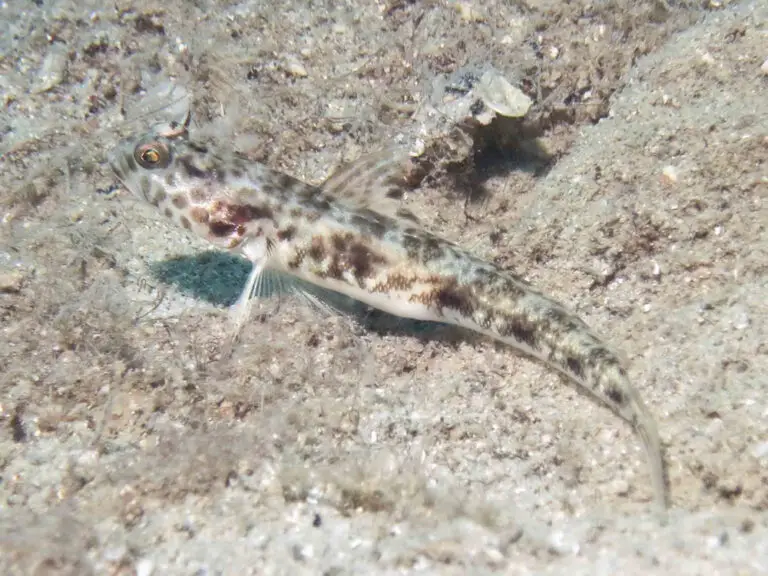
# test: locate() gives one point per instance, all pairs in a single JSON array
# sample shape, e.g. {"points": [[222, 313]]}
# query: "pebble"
{"points": [[620, 487], [669, 175], [11, 282], [144, 567], [760, 450], [85, 465], [563, 544]]}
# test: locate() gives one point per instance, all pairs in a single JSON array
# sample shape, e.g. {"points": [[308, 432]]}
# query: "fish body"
{"points": [[341, 237]]}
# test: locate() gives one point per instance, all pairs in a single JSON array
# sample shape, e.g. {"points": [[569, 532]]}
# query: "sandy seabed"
{"points": [[358, 443]]}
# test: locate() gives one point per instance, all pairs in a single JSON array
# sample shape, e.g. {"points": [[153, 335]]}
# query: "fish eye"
{"points": [[152, 155]]}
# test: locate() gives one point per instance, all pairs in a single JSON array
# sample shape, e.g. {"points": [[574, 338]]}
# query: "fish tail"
{"points": [[634, 411], [517, 315]]}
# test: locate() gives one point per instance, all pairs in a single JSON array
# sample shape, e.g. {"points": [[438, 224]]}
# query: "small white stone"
{"points": [[494, 555], [669, 174], [620, 487], [764, 68], [742, 322], [563, 544], [760, 450], [295, 68], [11, 282], [145, 567], [303, 552]]}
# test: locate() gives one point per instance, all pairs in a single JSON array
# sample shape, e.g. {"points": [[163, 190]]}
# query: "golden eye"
{"points": [[152, 155]]}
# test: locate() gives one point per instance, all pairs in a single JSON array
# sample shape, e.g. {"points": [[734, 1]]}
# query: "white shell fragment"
{"points": [[503, 98], [294, 68], [468, 97], [53, 70]]}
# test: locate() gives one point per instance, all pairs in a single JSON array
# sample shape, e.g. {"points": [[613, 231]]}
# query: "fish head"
{"points": [[188, 183]]}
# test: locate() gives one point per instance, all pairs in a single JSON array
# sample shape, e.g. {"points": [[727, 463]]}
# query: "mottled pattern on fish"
{"points": [[343, 236]]}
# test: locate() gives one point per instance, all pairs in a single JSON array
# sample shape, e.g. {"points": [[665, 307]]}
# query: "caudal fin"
{"points": [[644, 424]]}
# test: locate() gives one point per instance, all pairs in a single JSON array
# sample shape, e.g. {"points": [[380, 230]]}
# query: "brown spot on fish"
{"points": [[287, 234], [159, 197], [317, 249], [431, 248], [244, 213], [168, 212], [362, 260], [422, 246], [198, 195], [199, 215], [395, 281], [221, 229], [335, 269], [600, 356], [485, 318], [340, 241], [348, 255], [180, 202], [170, 179], [500, 286], [370, 223], [521, 331], [449, 294], [191, 170], [185, 222], [615, 395], [574, 366], [297, 259]]}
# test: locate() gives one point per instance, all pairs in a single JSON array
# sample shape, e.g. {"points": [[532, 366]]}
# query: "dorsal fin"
{"points": [[374, 181]]}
